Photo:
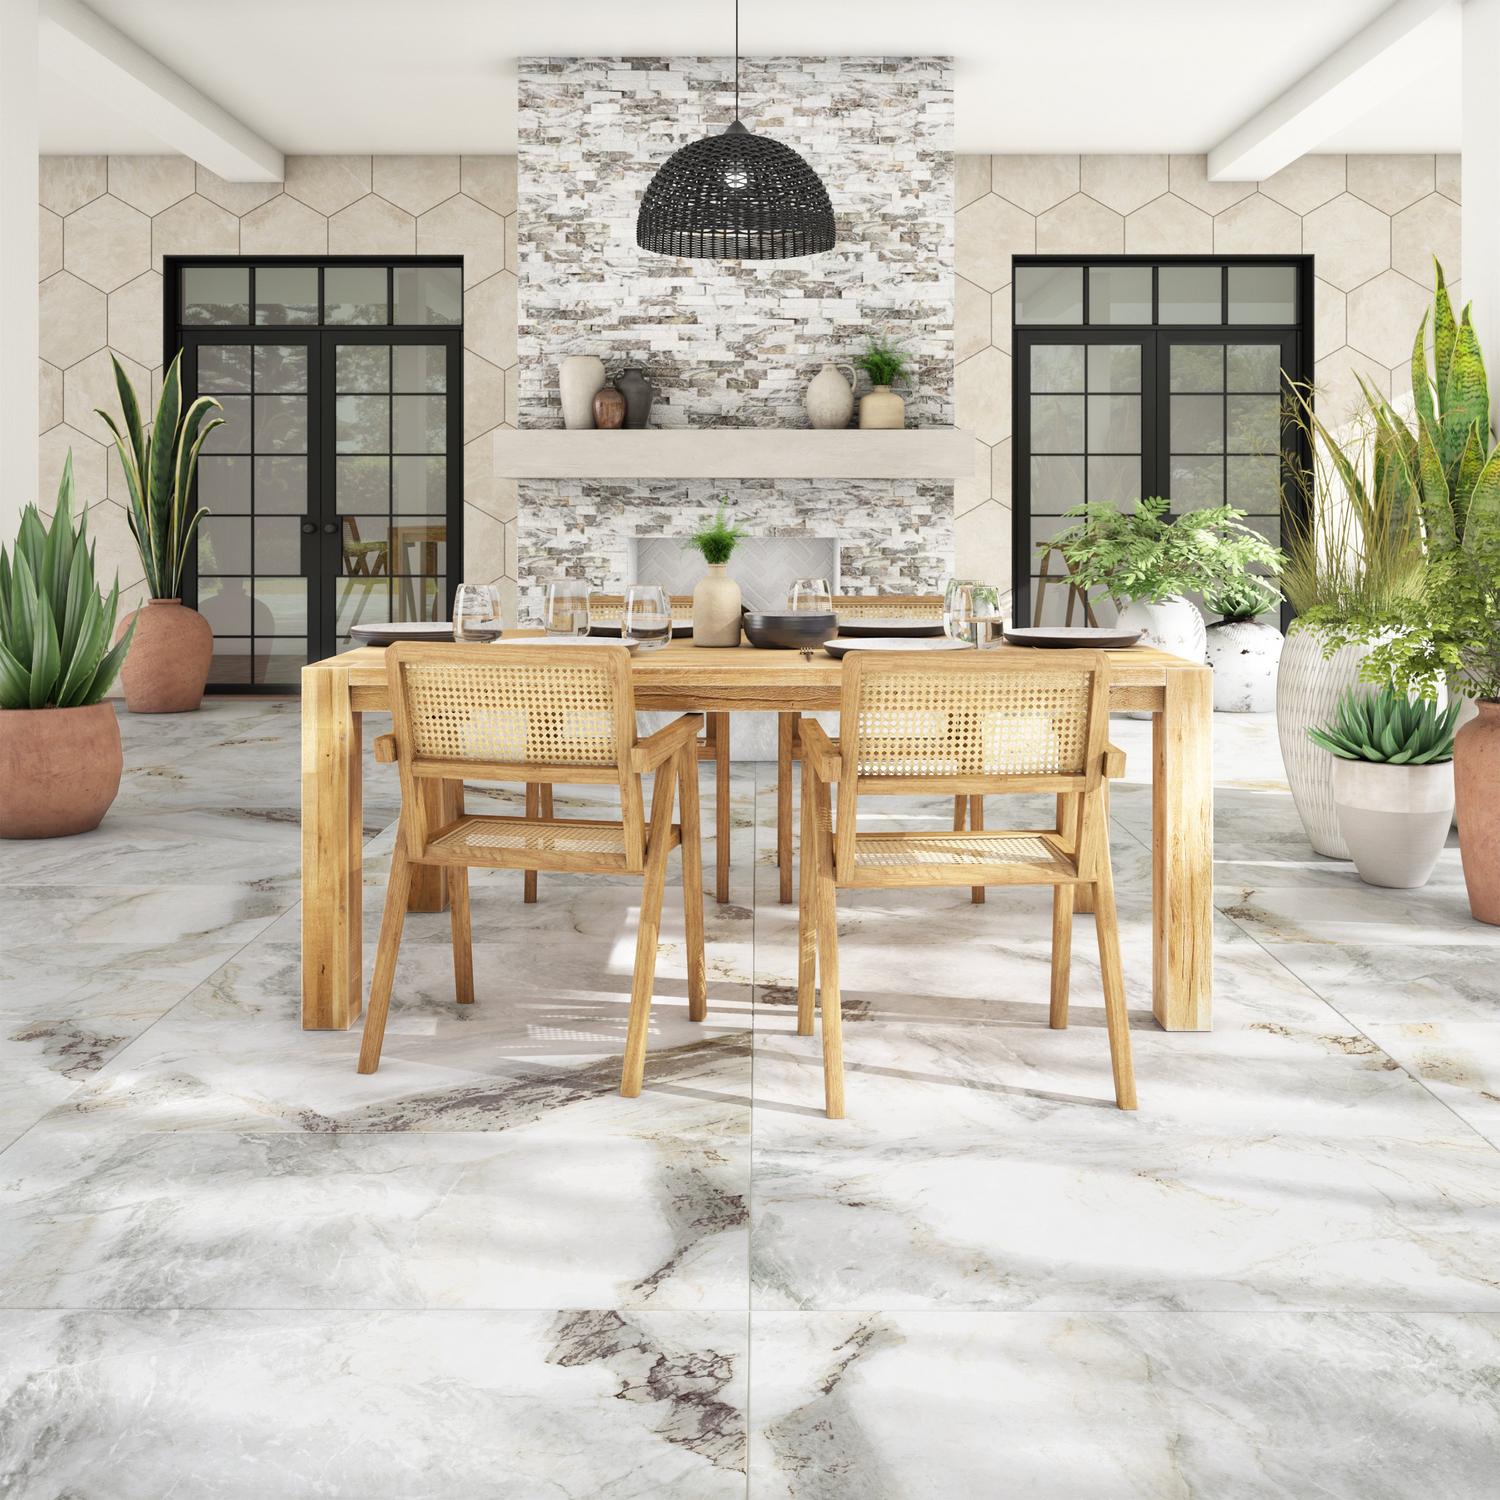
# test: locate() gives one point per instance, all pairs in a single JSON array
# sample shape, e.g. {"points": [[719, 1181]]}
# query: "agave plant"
{"points": [[55, 629], [159, 470], [1389, 727]]}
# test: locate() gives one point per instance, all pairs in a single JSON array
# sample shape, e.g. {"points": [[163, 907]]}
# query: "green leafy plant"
{"points": [[1146, 555], [159, 469], [1388, 727], [883, 362], [55, 628], [718, 538], [1242, 598]]}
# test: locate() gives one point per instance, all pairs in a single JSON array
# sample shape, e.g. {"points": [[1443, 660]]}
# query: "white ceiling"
{"points": [[438, 76]]}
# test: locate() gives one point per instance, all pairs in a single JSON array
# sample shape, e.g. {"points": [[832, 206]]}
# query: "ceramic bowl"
{"points": [[788, 632]]}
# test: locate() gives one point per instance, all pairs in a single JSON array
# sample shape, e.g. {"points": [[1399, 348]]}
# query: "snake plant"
{"points": [[1389, 727], [55, 628], [159, 469]]}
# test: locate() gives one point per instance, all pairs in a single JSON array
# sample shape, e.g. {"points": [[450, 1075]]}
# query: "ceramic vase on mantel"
{"points": [[166, 668], [579, 377], [1476, 775], [639, 393], [829, 399], [881, 408], [609, 408], [716, 608]]}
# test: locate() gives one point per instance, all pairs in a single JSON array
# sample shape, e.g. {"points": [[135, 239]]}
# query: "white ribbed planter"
{"points": [[1243, 654], [1308, 690]]}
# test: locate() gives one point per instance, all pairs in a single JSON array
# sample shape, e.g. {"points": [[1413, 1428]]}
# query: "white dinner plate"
{"points": [[629, 642], [403, 630], [840, 645]]}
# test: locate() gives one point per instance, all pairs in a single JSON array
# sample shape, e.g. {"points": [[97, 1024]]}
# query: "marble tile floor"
{"points": [[230, 1266]]}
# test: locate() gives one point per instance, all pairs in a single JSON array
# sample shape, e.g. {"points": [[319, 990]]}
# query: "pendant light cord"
{"points": [[736, 59]]}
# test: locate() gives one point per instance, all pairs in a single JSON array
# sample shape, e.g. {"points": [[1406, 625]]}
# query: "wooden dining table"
{"points": [[337, 693]]}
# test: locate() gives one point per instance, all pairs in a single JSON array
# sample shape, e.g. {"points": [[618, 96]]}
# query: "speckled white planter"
{"points": [[1395, 819], [1174, 625], [1243, 654]]}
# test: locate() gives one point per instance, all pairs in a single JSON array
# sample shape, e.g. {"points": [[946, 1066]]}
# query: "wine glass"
{"points": [[476, 612], [566, 610], [648, 615], [810, 596], [971, 612]]}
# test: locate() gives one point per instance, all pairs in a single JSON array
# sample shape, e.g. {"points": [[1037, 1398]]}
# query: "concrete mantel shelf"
{"points": [[735, 453]]}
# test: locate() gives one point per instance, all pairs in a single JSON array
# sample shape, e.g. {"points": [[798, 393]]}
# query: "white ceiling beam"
{"points": [[1371, 67], [98, 59]]}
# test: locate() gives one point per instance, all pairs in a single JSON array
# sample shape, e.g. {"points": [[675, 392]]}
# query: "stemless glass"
{"points": [[971, 612], [566, 610], [810, 596], [648, 615], [476, 612]]}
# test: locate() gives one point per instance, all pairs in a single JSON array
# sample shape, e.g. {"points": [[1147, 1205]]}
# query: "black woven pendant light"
{"points": [[735, 196]]}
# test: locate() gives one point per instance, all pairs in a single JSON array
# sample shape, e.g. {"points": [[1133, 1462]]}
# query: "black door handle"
{"points": [[309, 527], [330, 528]]}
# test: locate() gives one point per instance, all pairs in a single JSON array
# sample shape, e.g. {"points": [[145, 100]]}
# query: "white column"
{"points": [[19, 145], [1481, 181]]}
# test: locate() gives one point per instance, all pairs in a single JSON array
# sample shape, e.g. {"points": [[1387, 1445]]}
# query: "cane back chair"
{"points": [[972, 725], [539, 715]]}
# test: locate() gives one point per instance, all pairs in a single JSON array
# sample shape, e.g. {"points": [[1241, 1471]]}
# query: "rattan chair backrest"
{"points": [[888, 606]]}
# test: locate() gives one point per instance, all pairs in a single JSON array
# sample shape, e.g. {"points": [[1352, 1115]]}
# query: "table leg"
{"points": [[429, 883], [721, 806], [332, 853], [786, 744], [1182, 852]]}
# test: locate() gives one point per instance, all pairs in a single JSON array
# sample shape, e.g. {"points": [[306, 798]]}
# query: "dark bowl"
{"points": [[789, 632]]}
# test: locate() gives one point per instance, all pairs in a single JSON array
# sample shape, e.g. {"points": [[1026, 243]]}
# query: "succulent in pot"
{"points": [[717, 604], [1392, 782], [1244, 648], [60, 755], [167, 667]]}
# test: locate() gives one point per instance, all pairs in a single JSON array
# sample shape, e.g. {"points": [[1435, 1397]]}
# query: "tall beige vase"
{"points": [[716, 608]]}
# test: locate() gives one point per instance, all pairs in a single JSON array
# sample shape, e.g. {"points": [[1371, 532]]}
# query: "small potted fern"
{"points": [[716, 599], [1392, 782], [885, 364]]}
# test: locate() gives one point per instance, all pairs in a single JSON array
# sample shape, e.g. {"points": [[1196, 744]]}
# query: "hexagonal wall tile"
{"points": [[484, 545], [1450, 177], [1384, 315], [1080, 226], [1169, 226], [981, 395], [1002, 316], [981, 537], [490, 180], [512, 242], [1257, 226], [495, 496], [135, 319], [283, 226], [1187, 177], [327, 183], [88, 466], [49, 395], [1123, 183], [1035, 183], [237, 197], [464, 226], [513, 395], [1305, 183], [490, 319], [971, 179], [73, 319], [90, 384], [68, 182], [1349, 240], [1430, 227], [1001, 479], [416, 183], [372, 227], [1392, 182], [194, 227], [484, 396], [986, 235], [1338, 396], [973, 488], [971, 318], [151, 183], [116, 554], [107, 242], [1329, 328], [49, 242]]}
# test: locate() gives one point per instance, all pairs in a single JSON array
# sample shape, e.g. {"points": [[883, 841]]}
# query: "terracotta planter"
{"points": [[167, 664], [59, 769], [1476, 777]]}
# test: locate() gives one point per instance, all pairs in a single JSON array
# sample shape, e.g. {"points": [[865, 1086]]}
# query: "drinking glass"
{"points": [[476, 612], [971, 612], [810, 596], [648, 615], [566, 611]]}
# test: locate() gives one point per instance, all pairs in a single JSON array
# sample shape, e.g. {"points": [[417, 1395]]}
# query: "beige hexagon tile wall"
{"points": [[1372, 223], [106, 224]]}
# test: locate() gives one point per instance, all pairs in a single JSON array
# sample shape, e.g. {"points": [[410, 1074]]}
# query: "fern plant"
{"points": [[55, 629], [883, 362], [159, 469], [718, 538], [1388, 727]]}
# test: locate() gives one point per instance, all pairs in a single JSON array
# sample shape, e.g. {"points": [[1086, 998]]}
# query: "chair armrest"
{"points": [[385, 749], [666, 742], [819, 751], [1114, 762]]}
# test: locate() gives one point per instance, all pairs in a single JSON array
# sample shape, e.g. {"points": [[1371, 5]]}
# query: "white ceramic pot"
{"points": [[1308, 690], [1243, 654], [1395, 819], [580, 378], [830, 398], [1174, 625], [882, 407], [716, 608]]}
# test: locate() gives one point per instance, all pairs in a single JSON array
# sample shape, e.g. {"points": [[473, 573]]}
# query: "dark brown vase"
{"points": [[59, 769], [609, 408], [639, 393], [1476, 787], [167, 665]]}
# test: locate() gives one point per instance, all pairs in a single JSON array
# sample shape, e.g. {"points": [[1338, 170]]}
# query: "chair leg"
{"points": [[397, 889], [653, 885], [785, 741], [960, 813], [533, 810], [1118, 1022], [692, 883], [1062, 954], [976, 822], [721, 807], [1083, 895], [807, 914], [829, 1001], [463, 934]]}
